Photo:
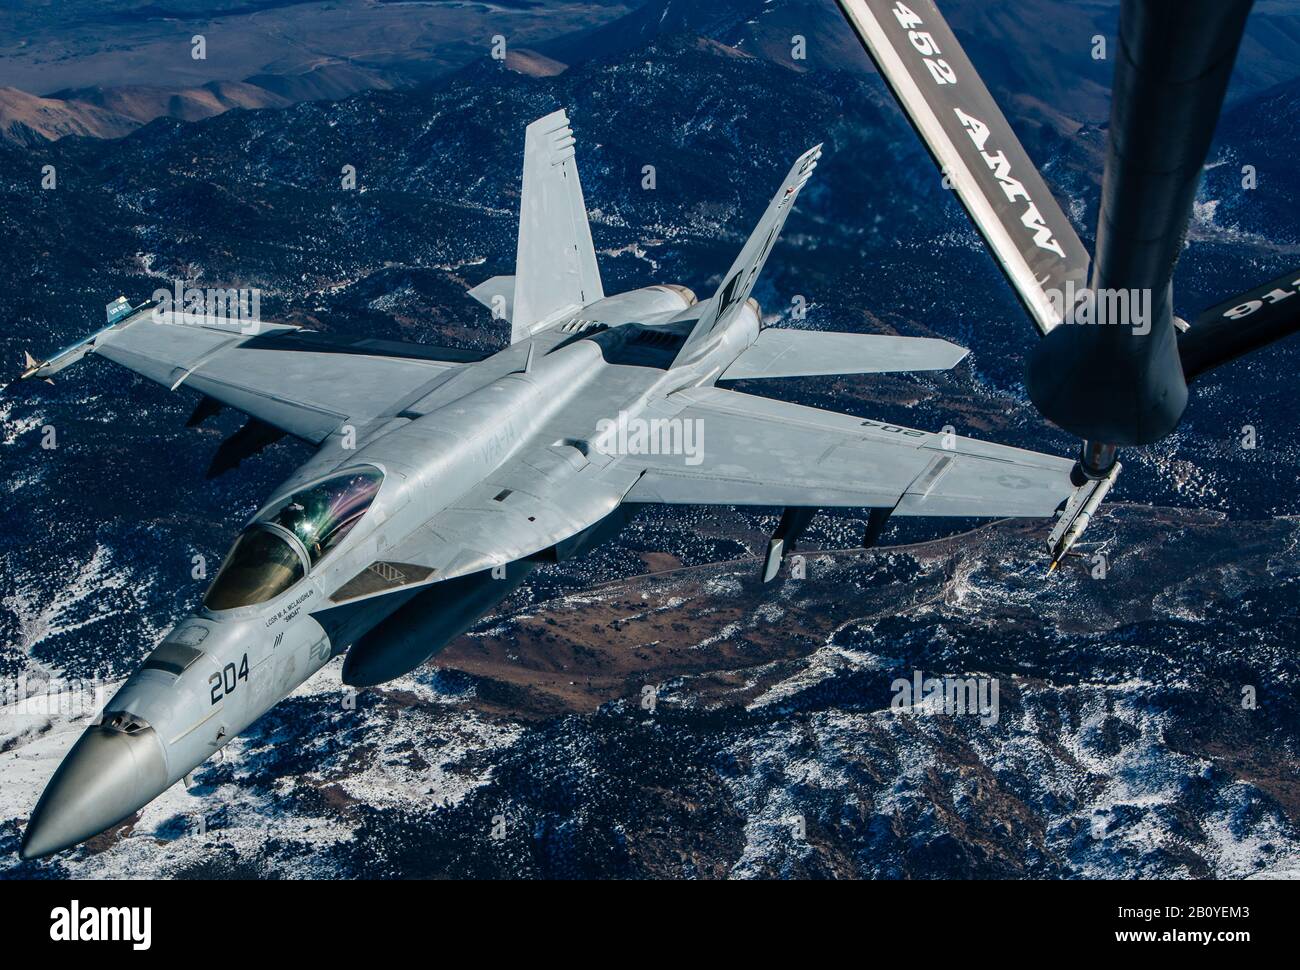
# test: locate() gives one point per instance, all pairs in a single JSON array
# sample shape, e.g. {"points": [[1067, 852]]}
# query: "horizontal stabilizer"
{"points": [[809, 353], [977, 150], [1240, 324], [498, 295]]}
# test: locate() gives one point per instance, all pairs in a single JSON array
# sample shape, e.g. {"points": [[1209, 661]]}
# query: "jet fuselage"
{"points": [[221, 669]]}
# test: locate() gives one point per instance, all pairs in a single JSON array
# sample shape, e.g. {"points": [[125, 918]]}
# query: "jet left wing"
{"points": [[303, 382], [758, 451]]}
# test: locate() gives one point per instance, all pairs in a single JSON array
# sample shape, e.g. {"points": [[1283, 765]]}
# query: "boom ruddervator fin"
{"points": [[976, 148], [1241, 324], [555, 265]]}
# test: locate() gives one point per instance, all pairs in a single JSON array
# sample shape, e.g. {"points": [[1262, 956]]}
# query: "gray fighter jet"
{"points": [[443, 476]]}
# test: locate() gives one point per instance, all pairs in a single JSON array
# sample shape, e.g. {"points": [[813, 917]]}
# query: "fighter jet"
{"points": [[441, 476]]}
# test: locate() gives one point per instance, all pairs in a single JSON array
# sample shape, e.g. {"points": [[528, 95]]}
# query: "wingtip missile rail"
{"points": [[116, 313], [31, 367]]}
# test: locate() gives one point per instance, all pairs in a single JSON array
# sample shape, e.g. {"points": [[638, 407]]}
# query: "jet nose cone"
{"points": [[108, 775]]}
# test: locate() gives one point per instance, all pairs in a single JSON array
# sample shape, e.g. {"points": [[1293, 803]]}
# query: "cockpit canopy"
{"points": [[290, 536], [320, 515]]}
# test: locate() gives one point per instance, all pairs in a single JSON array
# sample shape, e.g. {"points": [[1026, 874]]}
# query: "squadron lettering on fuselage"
{"points": [[496, 443]]}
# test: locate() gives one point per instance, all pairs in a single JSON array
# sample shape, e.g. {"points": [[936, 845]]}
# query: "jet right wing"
{"points": [[758, 451], [970, 139]]}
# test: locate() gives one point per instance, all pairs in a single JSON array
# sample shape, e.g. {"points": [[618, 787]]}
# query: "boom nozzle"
{"points": [[1078, 514]]}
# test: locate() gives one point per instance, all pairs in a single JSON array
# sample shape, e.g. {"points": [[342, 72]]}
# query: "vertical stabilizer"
{"points": [[739, 281], [555, 269]]}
